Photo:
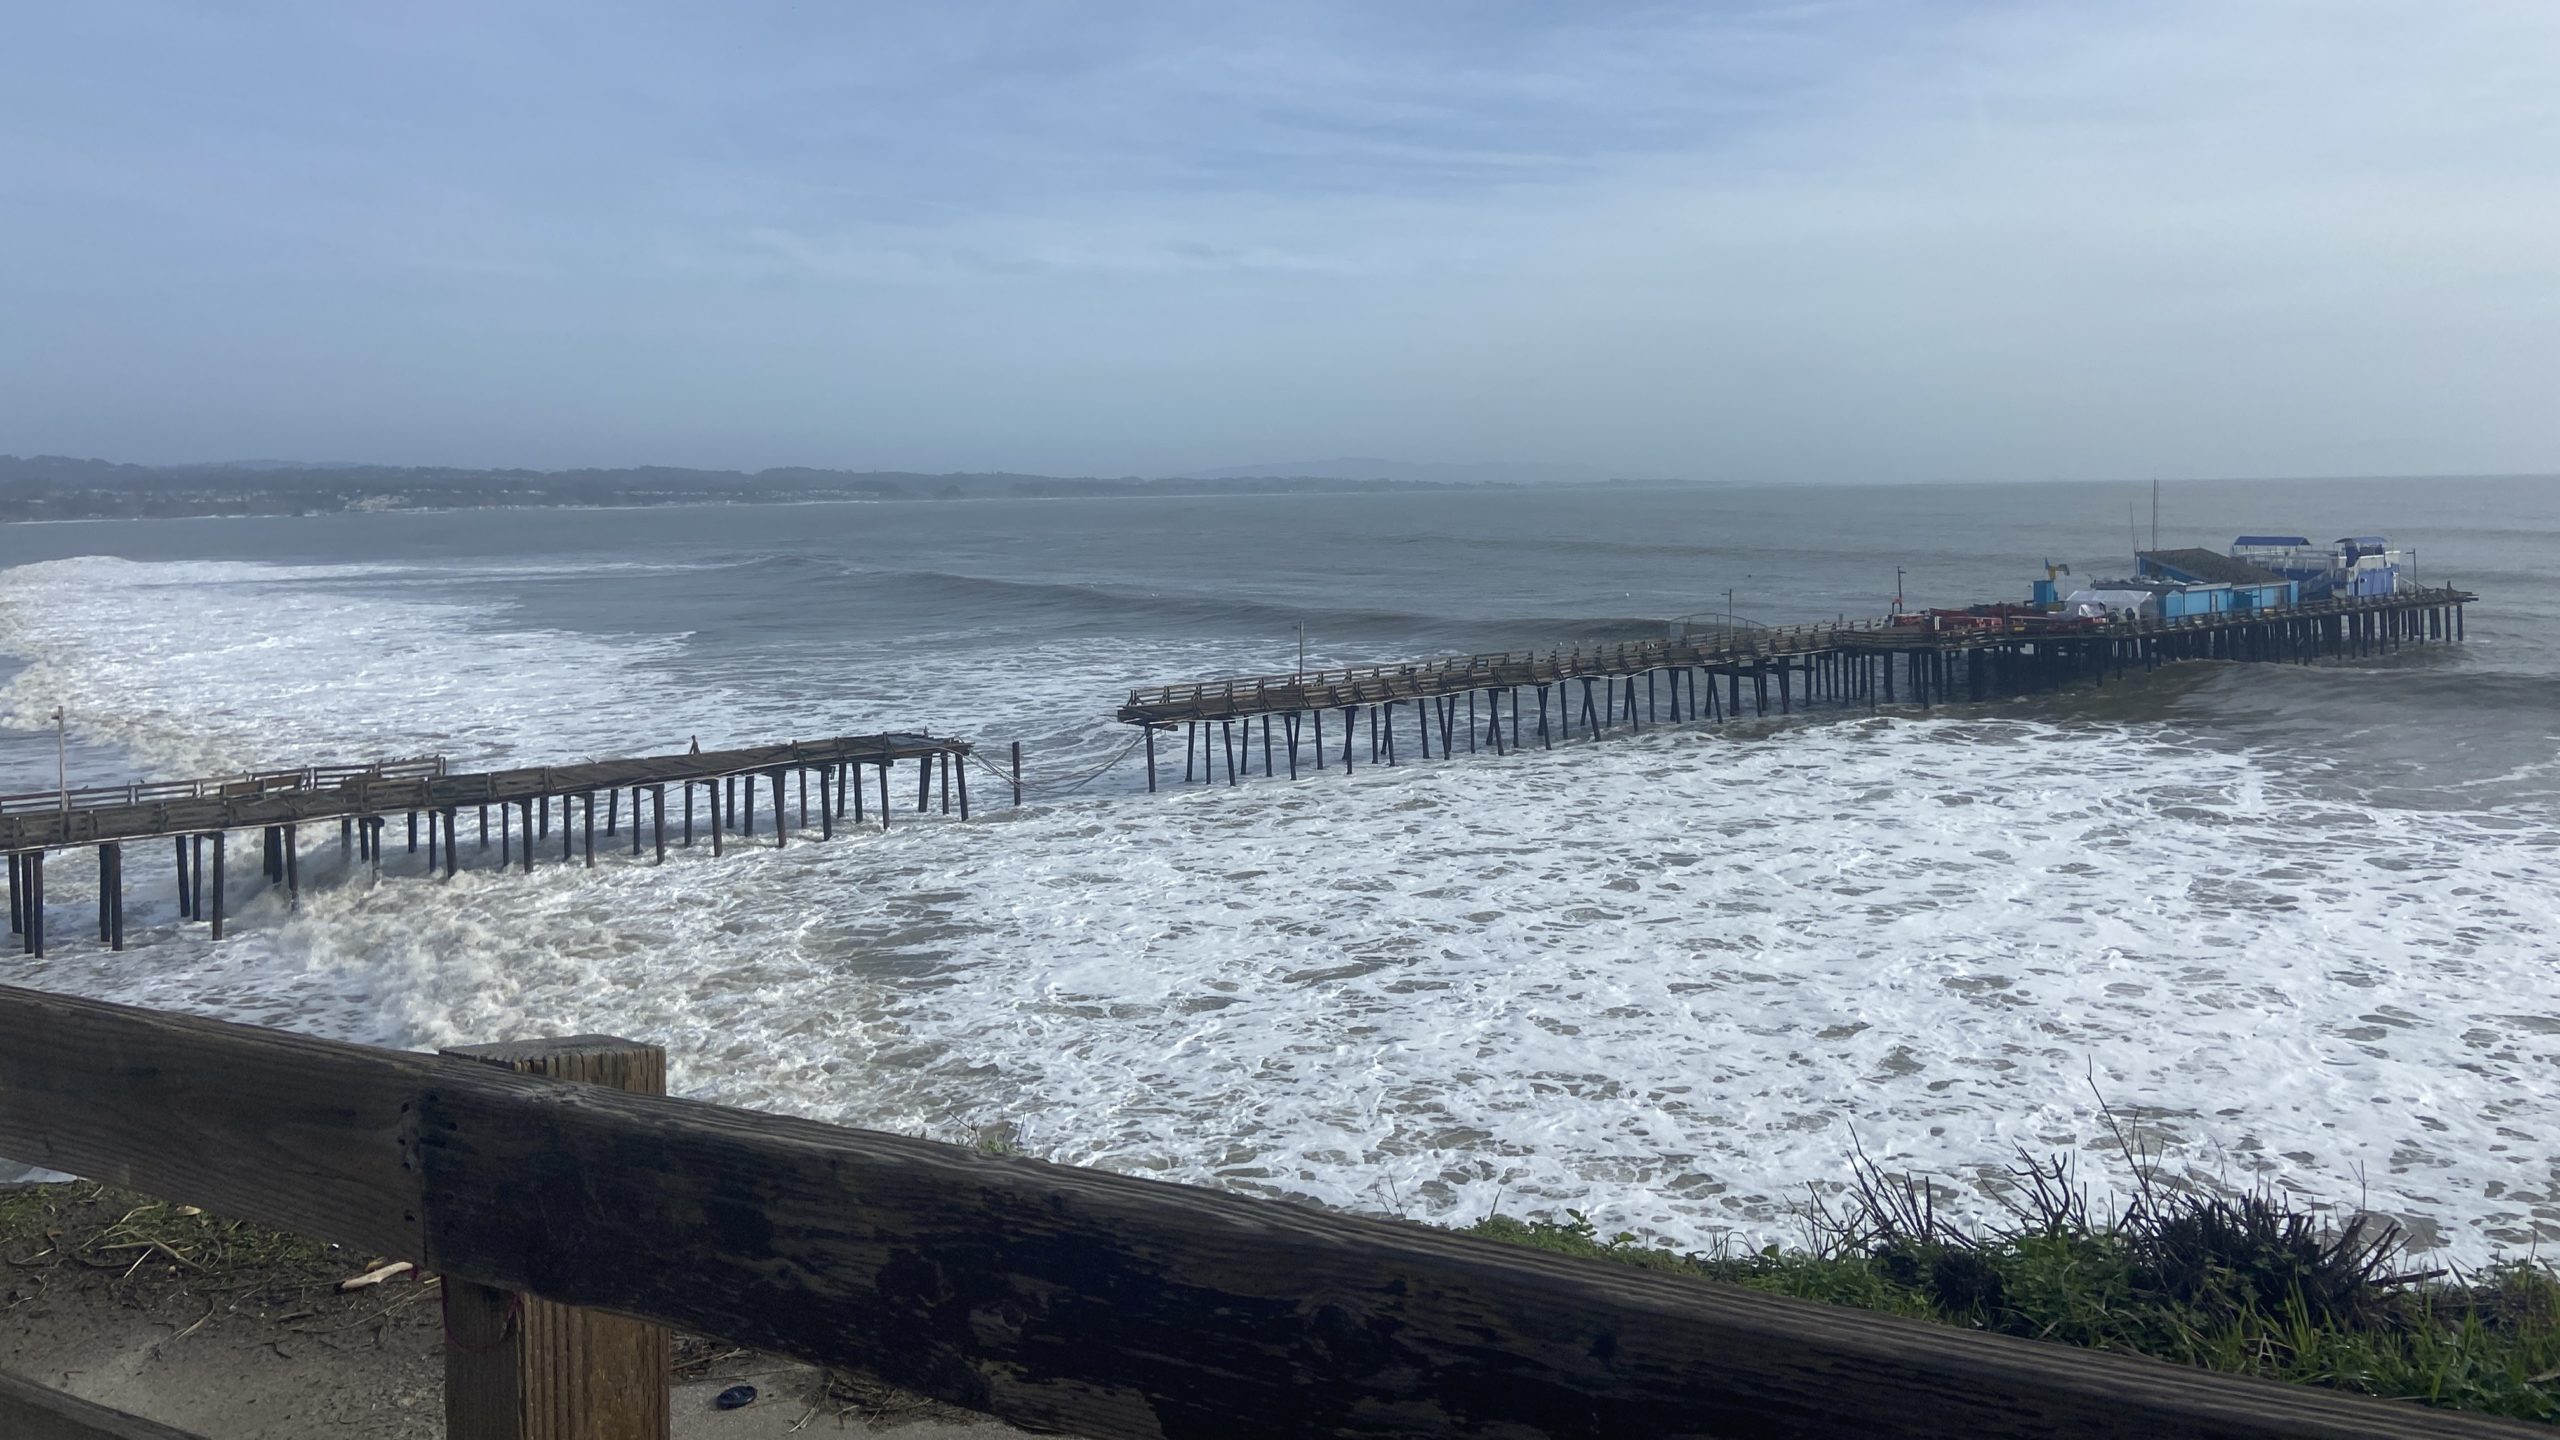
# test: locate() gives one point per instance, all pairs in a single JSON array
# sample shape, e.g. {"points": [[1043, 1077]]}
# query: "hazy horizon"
{"points": [[1780, 242]]}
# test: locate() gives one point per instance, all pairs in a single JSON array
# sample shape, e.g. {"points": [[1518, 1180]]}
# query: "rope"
{"points": [[1051, 788]]}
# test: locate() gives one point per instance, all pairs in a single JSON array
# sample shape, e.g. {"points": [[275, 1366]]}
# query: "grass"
{"points": [[2250, 1284]]}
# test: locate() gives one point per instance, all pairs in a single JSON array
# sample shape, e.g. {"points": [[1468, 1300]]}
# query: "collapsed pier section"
{"points": [[198, 816]]}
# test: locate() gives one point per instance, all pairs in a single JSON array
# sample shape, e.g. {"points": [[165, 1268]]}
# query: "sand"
{"points": [[236, 1334]]}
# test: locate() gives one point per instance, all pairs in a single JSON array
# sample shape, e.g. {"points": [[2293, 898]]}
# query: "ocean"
{"points": [[2289, 925]]}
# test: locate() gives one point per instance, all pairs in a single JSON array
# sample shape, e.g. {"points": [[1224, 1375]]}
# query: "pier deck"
{"points": [[1855, 663]]}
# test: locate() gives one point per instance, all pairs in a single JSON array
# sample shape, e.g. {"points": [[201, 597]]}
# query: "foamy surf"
{"points": [[1670, 980]]}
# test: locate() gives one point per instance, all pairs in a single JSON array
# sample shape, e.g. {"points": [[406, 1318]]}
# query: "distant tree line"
{"points": [[55, 487]]}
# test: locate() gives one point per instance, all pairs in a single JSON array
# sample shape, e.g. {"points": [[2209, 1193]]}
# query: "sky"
{"points": [[1826, 241]]}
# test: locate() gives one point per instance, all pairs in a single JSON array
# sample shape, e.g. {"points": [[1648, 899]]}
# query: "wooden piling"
{"points": [[218, 840], [115, 895]]}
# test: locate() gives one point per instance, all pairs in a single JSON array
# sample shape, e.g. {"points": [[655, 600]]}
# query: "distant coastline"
{"points": [[56, 488]]}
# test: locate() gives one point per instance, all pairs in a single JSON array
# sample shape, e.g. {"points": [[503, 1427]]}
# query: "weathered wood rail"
{"points": [[200, 816], [257, 782], [29, 1411], [1853, 663], [1073, 1300]]}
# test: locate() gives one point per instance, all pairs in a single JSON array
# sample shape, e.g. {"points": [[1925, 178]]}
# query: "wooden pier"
{"points": [[1731, 673], [198, 816]]}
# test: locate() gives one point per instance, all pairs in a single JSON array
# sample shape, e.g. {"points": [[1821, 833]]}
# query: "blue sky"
{"points": [[1821, 241]]}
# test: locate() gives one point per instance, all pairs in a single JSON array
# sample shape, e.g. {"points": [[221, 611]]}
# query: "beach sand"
{"points": [[240, 1334]]}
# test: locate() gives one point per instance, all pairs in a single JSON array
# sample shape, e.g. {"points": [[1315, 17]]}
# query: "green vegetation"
{"points": [[2251, 1284]]}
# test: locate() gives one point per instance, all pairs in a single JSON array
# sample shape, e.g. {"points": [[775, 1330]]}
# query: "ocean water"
{"points": [[2291, 924]]}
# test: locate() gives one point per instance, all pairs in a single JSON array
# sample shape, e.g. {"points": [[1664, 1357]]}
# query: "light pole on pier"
{"points": [[62, 758]]}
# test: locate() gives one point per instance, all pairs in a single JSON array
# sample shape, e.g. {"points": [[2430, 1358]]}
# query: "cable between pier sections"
{"points": [[1057, 789]]}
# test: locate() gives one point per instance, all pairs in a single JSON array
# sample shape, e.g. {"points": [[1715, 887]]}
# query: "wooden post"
{"points": [[292, 877], [688, 812], [781, 823], [591, 832], [518, 1368], [1151, 765], [218, 840], [884, 794], [1017, 766], [658, 804], [35, 903], [826, 802], [960, 772]]}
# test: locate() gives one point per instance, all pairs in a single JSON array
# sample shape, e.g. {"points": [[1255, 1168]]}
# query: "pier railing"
{"points": [[1366, 684], [258, 782], [1069, 1300]]}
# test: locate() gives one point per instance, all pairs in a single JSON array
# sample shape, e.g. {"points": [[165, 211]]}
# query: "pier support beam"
{"points": [[35, 903]]}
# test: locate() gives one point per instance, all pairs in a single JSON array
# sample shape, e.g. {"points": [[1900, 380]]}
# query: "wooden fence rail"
{"points": [[1065, 1299], [34, 1412]]}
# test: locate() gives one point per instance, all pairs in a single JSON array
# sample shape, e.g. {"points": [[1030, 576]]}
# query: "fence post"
{"points": [[518, 1368]]}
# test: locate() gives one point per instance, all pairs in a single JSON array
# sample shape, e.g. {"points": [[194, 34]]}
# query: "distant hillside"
{"points": [[1492, 472], [55, 487]]}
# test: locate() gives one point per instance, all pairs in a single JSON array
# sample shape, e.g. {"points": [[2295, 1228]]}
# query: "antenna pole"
{"points": [[2155, 513]]}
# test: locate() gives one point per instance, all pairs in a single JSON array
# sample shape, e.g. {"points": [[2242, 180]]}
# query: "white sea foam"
{"points": [[1668, 980]]}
